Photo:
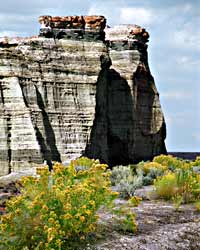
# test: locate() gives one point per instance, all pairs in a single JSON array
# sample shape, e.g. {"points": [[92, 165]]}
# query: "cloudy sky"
{"points": [[174, 49]]}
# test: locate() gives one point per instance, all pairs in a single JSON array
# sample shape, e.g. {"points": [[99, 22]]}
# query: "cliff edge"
{"points": [[79, 88]]}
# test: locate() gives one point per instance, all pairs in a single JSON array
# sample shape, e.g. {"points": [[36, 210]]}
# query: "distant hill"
{"points": [[185, 155]]}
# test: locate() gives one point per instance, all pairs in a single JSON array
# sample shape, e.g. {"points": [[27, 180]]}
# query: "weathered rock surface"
{"points": [[160, 227], [16, 176], [145, 192], [69, 93]]}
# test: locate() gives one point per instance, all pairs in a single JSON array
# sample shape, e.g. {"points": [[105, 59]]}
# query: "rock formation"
{"points": [[75, 91]]}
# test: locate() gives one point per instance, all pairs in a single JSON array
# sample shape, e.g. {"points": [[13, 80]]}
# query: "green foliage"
{"points": [[125, 218], [196, 162], [135, 201], [197, 205], [177, 200], [150, 171], [154, 167], [126, 183], [172, 163], [166, 186], [182, 183], [59, 207]]}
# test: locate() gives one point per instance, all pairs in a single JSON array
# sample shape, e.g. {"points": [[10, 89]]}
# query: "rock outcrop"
{"points": [[160, 227], [78, 89]]}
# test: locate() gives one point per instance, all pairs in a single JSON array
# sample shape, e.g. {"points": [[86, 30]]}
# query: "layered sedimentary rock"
{"points": [[75, 91], [73, 27]]}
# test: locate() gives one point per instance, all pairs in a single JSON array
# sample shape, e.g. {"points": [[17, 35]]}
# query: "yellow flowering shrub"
{"points": [[183, 183], [196, 162], [135, 201], [166, 186], [147, 167], [58, 207], [172, 162]]}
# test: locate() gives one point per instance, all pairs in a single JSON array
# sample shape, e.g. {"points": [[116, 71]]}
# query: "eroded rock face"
{"points": [[72, 93]]}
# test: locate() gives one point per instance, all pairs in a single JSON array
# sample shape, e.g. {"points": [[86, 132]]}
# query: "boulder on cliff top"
{"points": [[73, 22], [127, 32]]}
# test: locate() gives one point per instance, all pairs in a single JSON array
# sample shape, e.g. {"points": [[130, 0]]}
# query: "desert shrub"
{"points": [[127, 221], [188, 185], [177, 201], [135, 200], [183, 184], [150, 171], [196, 165], [125, 181], [59, 207], [197, 161], [166, 186], [154, 167], [197, 205], [171, 162]]}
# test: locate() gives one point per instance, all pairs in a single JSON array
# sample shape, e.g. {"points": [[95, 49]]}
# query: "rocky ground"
{"points": [[160, 226]]}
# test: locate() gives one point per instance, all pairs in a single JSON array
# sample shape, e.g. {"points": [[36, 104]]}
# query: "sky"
{"points": [[174, 50]]}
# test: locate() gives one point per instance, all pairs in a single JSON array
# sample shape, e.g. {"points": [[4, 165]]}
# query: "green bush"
{"points": [[172, 163], [183, 183], [196, 162], [150, 171], [126, 183], [59, 207], [166, 186]]}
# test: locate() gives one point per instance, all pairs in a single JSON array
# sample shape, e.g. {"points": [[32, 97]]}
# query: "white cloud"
{"points": [[187, 61], [118, 14], [188, 37], [140, 16], [196, 136], [109, 10], [186, 32]]}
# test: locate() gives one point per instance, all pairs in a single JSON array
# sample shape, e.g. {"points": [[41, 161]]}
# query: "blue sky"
{"points": [[174, 49]]}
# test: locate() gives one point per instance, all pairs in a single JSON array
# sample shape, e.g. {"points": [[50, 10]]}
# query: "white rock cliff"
{"points": [[72, 92]]}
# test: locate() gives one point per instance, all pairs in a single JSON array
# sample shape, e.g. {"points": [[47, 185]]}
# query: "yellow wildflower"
{"points": [[88, 212], [82, 218]]}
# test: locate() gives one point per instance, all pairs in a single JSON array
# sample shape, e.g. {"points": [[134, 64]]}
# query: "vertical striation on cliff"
{"points": [[77, 90]]}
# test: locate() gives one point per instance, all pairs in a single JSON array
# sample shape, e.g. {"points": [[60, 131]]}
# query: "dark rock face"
{"points": [[63, 95], [129, 124]]}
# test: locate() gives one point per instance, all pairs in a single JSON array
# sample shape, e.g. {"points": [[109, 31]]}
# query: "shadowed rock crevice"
{"points": [[149, 123], [23, 94], [9, 129], [1, 92], [112, 133], [128, 120], [120, 120], [50, 147], [43, 148]]}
